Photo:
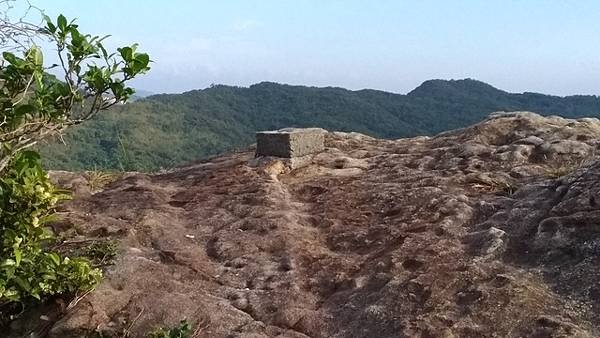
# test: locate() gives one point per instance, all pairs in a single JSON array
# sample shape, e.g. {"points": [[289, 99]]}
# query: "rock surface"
{"points": [[489, 231]]}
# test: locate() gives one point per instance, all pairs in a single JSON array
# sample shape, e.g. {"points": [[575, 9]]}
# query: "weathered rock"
{"points": [[464, 234], [549, 150], [530, 140]]}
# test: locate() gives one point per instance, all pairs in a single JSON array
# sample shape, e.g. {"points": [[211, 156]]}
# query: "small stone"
{"points": [[241, 303], [530, 140]]}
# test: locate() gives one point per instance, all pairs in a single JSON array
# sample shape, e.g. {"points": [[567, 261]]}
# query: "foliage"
{"points": [[34, 104], [101, 252], [182, 330], [27, 199], [168, 130]]}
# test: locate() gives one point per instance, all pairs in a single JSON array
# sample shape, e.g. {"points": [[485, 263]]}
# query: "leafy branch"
{"points": [[35, 104]]}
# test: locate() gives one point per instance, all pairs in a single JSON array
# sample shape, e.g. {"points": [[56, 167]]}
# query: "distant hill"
{"points": [[140, 94], [169, 129]]}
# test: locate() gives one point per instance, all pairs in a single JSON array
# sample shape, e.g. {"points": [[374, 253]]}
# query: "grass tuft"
{"points": [[98, 179]]}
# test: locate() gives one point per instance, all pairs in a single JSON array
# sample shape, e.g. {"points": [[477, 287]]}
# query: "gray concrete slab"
{"points": [[290, 142]]}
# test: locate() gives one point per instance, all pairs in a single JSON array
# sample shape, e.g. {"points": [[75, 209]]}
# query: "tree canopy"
{"points": [[170, 129]]}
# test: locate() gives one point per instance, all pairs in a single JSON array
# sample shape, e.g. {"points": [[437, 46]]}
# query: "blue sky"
{"points": [[543, 46]]}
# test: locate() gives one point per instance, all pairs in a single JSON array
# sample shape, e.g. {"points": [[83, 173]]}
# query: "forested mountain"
{"points": [[165, 130]]}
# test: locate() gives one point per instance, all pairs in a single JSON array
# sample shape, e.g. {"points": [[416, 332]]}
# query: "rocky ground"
{"points": [[489, 231]]}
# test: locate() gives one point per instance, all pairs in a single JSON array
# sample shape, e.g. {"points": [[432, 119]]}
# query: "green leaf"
{"points": [[23, 283], [62, 22], [35, 295], [104, 52], [36, 56], [126, 53], [54, 257], [17, 253], [49, 25], [143, 59], [10, 57]]}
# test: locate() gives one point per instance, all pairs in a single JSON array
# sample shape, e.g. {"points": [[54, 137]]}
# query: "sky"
{"points": [[544, 46]]}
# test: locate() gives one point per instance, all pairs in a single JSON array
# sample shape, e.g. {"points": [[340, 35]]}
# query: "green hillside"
{"points": [[161, 131]]}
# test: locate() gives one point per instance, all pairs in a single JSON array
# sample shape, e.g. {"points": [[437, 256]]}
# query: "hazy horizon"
{"points": [[148, 93], [548, 47]]}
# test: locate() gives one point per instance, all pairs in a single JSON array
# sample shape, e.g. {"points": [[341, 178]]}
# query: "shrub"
{"points": [[27, 270], [182, 330], [33, 106], [101, 253]]}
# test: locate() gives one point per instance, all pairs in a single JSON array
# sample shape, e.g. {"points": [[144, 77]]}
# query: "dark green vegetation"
{"points": [[166, 130]]}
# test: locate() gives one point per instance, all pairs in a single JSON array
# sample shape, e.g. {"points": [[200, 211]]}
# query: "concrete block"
{"points": [[290, 142]]}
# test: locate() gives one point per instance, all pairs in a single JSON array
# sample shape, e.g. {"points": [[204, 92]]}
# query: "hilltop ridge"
{"points": [[455, 88], [165, 130]]}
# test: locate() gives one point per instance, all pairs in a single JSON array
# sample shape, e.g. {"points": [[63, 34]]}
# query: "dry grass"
{"points": [[495, 186], [565, 167], [98, 179]]}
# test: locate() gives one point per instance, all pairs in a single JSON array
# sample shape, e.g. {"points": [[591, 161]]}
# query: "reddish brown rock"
{"points": [[467, 234]]}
